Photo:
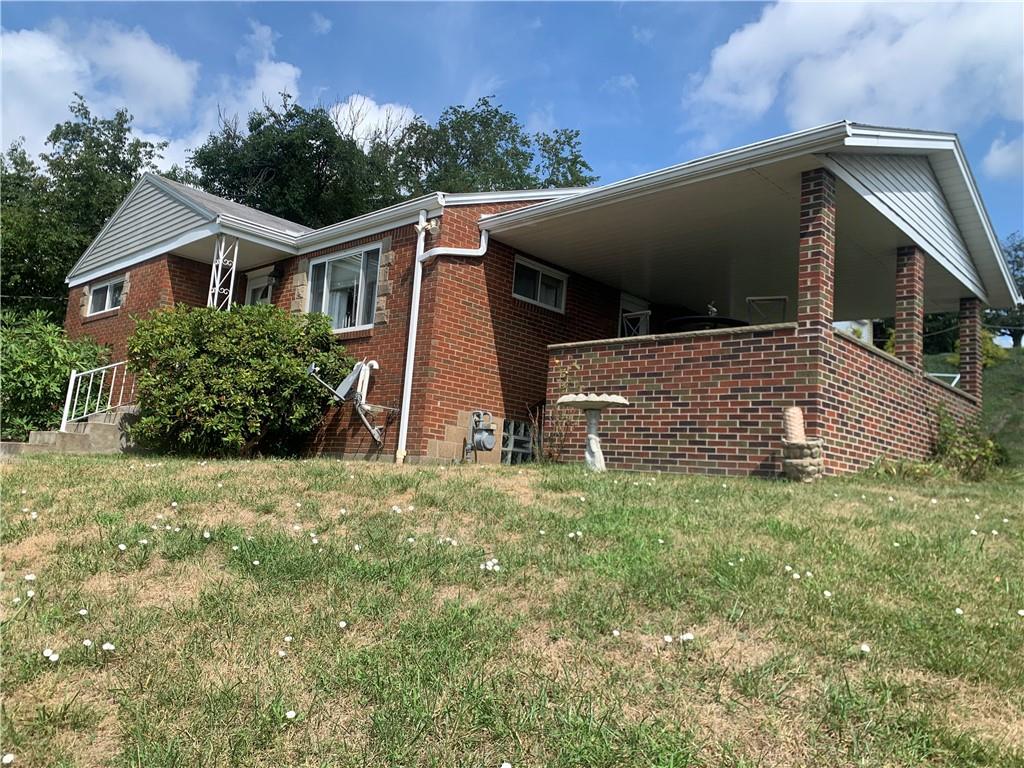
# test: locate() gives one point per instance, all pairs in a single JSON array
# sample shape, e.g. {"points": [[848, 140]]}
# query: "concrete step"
{"points": [[105, 438], [61, 442]]}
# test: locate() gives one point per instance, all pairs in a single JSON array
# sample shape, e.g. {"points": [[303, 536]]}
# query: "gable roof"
{"points": [[964, 243]]}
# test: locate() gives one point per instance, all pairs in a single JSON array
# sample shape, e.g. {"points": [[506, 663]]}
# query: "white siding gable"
{"points": [[904, 189], [148, 216]]}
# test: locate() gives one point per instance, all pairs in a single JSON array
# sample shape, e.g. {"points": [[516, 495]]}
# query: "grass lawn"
{"points": [[224, 613]]}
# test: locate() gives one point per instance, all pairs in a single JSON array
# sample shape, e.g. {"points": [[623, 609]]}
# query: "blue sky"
{"points": [[647, 84]]}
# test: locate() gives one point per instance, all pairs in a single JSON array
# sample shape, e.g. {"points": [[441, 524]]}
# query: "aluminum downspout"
{"points": [[422, 257]]}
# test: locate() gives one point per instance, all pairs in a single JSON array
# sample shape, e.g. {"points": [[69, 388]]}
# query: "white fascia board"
{"points": [[485, 198], [257, 233], [813, 140], [370, 223], [137, 258]]}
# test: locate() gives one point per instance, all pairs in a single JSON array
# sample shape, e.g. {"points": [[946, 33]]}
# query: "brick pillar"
{"points": [[970, 346], [815, 286], [910, 305], [815, 290]]}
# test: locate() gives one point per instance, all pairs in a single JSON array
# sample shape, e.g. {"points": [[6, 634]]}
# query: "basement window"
{"points": [[106, 296], [344, 287], [537, 284], [516, 442]]}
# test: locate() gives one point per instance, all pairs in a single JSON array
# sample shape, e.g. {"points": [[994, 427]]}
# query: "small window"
{"points": [[258, 290], [539, 285], [516, 442], [106, 296], [344, 288]]}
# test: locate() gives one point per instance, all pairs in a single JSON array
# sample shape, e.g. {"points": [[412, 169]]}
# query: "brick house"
{"points": [[712, 294]]}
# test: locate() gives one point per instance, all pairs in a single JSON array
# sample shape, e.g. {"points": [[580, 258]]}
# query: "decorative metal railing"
{"points": [[97, 391]]}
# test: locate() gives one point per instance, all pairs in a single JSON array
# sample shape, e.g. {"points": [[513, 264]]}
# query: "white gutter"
{"points": [[422, 257]]}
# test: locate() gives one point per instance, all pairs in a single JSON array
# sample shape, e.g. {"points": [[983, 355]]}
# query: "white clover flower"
{"points": [[1020, 612], [542, 532], [507, 764], [661, 541], [122, 547], [298, 504], [174, 505], [796, 576], [296, 527], [788, 568], [290, 714], [30, 577], [615, 633], [667, 638], [108, 647], [891, 499], [865, 648], [732, 564], [87, 643], [934, 501], [1006, 519], [958, 611], [54, 657], [30, 593], [234, 547], [808, 574], [686, 637], [255, 562], [159, 517], [358, 548], [410, 540], [314, 540], [143, 542], [410, 508], [220, 485], [396, 509], [34, 516], [287, 638], [47, 652], [282, 653], [977, 517], [973, 532], [16, 600], [342, 511], [583, 498], [896, 544], [342, 624], [177, 529], [995, 532], [206, 534], [24, 510], [9, 757], [24, 491], [83, 611], [827, 594]]}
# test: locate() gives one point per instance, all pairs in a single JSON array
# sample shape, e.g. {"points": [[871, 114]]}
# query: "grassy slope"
{"points": [[445, 664], [1004, 400]]}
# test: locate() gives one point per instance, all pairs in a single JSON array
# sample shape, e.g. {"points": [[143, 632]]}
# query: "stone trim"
{"points": [[657, 337]]}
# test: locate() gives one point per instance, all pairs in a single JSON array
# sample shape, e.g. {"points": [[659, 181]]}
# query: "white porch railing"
{"points": [[97, 391]]}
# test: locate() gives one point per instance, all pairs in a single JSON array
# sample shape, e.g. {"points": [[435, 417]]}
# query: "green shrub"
{"points": [[991, 353], [37, 357], [231, 383], [965, 449]]}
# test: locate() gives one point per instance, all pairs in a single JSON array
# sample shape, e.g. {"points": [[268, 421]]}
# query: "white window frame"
{"points": [[336, 256], [543, 270], [259, 278], [106, 284]]}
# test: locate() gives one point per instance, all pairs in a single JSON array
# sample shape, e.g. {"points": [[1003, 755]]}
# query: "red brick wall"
{"points": [[158, 282], [479, 347], [878, 406], [909, 337], [712, 402], [707, 401]]}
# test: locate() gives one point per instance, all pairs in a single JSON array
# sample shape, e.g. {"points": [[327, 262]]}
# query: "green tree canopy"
{"points": [[1011, 321], [290, 161], [52, 212]]}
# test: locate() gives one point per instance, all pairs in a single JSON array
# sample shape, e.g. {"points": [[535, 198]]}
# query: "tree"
{"points": [[290, 161], [52, 213], [1011, 321], [485, 148]]}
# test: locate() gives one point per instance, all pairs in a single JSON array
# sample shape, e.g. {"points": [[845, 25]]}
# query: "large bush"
{"points": [[36, 357], [231, 383]]}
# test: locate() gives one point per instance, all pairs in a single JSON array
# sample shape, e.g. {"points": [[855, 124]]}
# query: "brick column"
{"points": [[970, 346], [815, 290], [910, 305], [816, 268]]}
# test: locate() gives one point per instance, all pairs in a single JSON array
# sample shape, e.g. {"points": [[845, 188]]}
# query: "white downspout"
{"points": [[422, 257]]}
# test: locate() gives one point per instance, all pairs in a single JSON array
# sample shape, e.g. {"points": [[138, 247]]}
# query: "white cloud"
{"points": [[1005, 159], [541, 120], [922, 65], [110, 65], [259, 43], [362, 118], [643, 35], [621, 84], [321, 24]]}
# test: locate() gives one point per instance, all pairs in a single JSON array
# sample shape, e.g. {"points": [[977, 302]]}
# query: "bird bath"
{"points": [[592, 405]]}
